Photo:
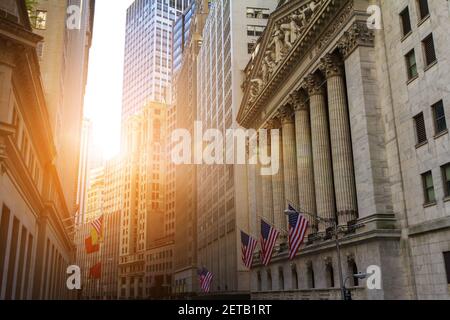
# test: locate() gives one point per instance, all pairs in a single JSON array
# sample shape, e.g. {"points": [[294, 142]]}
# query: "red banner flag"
{"points": [[96, 271], [90, 247]]}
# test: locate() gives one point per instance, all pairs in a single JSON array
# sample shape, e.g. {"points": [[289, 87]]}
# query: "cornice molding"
{"points": [[358, 35]]}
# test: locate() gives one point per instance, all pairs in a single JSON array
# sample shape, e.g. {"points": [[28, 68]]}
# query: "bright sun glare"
{"points": [[103, 100]]}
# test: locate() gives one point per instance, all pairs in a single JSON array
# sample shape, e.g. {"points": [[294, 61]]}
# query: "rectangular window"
{"points": [[447, 265], [446, 179], [429, 51], [424, 10], [411, 64], [406, 21], [428, 187], [440, 124], [421, 133]]}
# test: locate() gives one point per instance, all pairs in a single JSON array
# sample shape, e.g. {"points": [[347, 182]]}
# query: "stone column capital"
{"points": [[273, 123], [286, 114], [298, 100], [357, 35], [331, 65], [313, 85]]}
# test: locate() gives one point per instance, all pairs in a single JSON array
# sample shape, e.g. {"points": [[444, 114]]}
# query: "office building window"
{"points": [[406, 21], [440, 124], [446, 179], [428, 188], [421, 133], [411, 64], [258, 13], [255, 31], [424, 10], [429, 51]]}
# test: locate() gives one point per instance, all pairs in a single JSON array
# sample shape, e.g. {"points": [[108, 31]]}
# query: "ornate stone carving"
{"points": [[331, 65], [313, 85], [298, 100], [358, 35], [286, 113]]}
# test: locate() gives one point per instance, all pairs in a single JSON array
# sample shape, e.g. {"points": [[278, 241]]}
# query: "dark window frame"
{"points": [[423, 9], [405, 21], [447, 265], [428, 188], [411, 68], [440, 122], [446, 179], [429, 50], [420, 128]]}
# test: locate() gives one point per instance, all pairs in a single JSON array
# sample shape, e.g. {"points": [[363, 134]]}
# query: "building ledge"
{"points": [[430, 226]]}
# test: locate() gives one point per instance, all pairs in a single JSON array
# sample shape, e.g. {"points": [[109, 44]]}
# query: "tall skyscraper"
{"points": [[146, 242], [229, 33], [83, 170], [187, 38], [148, 53]]}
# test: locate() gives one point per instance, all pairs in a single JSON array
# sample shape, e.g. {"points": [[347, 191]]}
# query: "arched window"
{"points": [[269, 280], [310, 276], [280, 279], [353, 269], [294, 277], [330, 275]]}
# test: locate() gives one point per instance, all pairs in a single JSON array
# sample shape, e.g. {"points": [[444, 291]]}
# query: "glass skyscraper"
{"points": [[148, 53]]}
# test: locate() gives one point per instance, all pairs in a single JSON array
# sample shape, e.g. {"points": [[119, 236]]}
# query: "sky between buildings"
{"points": [[103, 100]]}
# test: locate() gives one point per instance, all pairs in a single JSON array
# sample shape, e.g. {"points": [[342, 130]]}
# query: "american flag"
{"points": [[248, 245], [297, 229], [269, 236], [205, 278], [97, 224]]}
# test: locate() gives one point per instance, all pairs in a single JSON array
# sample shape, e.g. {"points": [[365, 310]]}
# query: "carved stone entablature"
{"points": [[331, 65], [358, 35], [314, 85], [293, 33], [299, 100]]}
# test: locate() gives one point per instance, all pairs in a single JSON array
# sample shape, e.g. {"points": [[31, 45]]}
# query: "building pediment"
{"points": [[292, 31]]}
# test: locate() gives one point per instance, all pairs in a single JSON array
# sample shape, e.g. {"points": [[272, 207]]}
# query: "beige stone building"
{"points": [[363, 118], [143, 221]]}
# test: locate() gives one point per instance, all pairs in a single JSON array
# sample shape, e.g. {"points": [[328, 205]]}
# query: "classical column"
{"points": [[323, 173], [278, 185], [289, 155], [267, 190], [341, 144], [305, 170]]}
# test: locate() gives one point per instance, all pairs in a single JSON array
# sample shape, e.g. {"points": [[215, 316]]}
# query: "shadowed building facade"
{"points": [[349, 115]]}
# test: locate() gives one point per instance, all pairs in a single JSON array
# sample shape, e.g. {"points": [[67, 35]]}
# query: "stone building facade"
{"points": [[35, 242], [352, 104]]}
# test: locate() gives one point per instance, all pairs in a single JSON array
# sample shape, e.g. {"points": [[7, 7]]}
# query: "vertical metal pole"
{"points": [[338, 249]]}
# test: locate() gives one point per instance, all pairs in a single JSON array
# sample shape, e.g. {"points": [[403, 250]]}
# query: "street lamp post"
{"points": [[337, 243]]}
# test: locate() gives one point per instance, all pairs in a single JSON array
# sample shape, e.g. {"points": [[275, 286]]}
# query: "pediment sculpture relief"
{"points": [[286, 32]]}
